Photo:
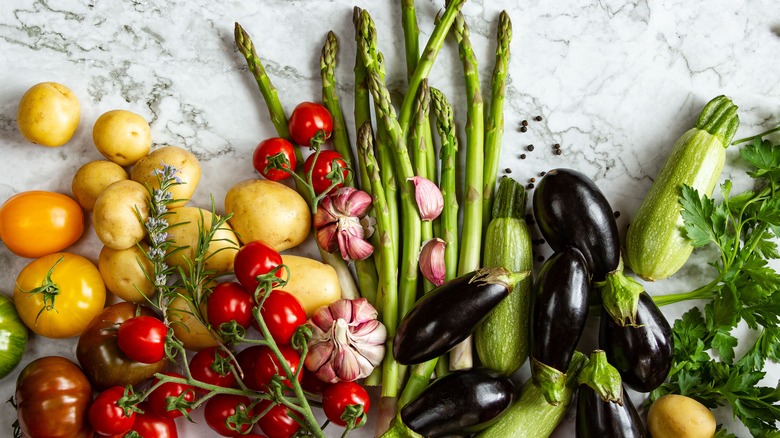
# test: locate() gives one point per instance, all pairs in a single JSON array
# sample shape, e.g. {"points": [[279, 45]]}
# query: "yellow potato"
{"points": [[188, 171], [48, 114], [122, 136], [92, 178], [187, 327], [268, 211], [313, 283], [123, 272], [116, 215], [677, 416], [184, 232]]}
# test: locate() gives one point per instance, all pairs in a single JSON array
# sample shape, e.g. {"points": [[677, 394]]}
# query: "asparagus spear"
{"points": [[411, 35], [362, 108], [495, 119], [471, 235], [418, 146]]}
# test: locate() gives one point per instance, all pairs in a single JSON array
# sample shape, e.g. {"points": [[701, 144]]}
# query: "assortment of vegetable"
{"points": [[409, 271]]}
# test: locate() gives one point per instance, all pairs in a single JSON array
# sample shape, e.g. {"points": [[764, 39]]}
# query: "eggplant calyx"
{"points": [[551, 381], [620, 296], [499, 275], [399, 430], [603, 378]]}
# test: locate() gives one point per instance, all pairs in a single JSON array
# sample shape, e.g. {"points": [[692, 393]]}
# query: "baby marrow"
{"points": [[655, 245], [502, 338]]}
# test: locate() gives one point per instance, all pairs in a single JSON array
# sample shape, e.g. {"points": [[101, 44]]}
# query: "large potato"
{"points": [[188, 171], [120, 211], [677, 416], [122, 136], [185, 230], [48, 114], [92, 178], [124, 272], [187, 327], [314, 284], [268, 211]]}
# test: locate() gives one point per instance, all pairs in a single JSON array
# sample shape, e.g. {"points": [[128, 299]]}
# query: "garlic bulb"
{"points": [[338, 223]]}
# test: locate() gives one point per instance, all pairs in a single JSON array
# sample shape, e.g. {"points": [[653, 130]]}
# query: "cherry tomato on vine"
{"points": [[205, 368], [267, 149], [282, 313], [105, 417], [158, 398], [324, 166], [151, 425], [230, 301], [142, 339], [306, 120], [339, 395], [276, 423], [267, 364], [221, 407], [253, 259]]}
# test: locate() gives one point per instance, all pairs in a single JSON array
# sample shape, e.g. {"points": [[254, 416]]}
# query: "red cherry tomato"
{"points": [[228, 302], [105, 417], [276, 423], [158, 398], [306, 120], [267, 149], [282, 313], [311, 383], [338, 396], [324, 166], [268, 365], [253, 259], [223, 406], [142, 339], [205, 368], [150, 425]]}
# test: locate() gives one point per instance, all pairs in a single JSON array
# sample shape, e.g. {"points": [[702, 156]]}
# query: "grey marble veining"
{"points": [[616, 82]]}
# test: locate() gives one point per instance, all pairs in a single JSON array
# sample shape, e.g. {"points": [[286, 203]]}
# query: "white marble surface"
{"points": [[616, 82]]}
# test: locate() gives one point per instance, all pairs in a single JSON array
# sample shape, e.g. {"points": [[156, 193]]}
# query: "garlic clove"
{"points": [[325, 214], [327, 237], [430, 201], [432, 263], [351, 242]]}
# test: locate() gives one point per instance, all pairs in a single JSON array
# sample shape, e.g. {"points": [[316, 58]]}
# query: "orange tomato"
{"points": [[38, 223]]}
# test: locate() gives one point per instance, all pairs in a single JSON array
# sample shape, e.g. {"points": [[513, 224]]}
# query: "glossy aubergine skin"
{"points": [[571, 211], [643, 354], [599, 419], [460, 403], [444, 317], [560, 308]]}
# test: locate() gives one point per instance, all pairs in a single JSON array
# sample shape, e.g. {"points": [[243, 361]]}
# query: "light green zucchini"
{"points": [[502, 338], [656, 247]]}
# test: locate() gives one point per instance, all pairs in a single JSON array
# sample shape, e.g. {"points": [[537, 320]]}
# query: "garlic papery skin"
{"points": [[349, 201], [431, 261], [338, 223], [430, 201], [351, 240], [347, 341]]}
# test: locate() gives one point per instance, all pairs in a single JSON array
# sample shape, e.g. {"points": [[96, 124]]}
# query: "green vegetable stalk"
{"points": [[419, 148], [411, 35], [471, 235]]}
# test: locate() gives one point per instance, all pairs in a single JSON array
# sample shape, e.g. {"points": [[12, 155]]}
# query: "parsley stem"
{"points": [[746, 139]]}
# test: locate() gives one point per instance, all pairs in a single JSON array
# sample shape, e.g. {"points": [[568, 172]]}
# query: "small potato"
{"points": [[677, 416], [184, 232], [122, 136], [313, 283], [188, 171], [187, 327], [48, 114], [92, 178], [116, 216], [123, 272], [268, 211]]}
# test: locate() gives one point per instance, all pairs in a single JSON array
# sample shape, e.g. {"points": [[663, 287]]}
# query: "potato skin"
{"points": [[115, 217], [677, 416], [188, 329], [183, 160], [48, 114], [223, 247], [122, 136], [123, 274], [313, 283], [92, 178], [268, 211]]}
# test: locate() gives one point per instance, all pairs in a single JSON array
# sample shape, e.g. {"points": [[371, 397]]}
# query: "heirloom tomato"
{"points": [[13, 337]]}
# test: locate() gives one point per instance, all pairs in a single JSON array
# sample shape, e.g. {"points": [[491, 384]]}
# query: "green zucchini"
{"points": [[531, 416], [655, 245], [502, 338]]}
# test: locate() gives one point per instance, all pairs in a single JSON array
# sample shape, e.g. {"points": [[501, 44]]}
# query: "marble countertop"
{"points": [[615, 82]]}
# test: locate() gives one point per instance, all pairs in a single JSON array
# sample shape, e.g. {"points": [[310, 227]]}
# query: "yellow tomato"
{"points": [[58, 295], [37, 223]]}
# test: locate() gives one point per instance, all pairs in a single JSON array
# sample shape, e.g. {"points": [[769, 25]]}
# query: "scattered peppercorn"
{"points": [[557, 145], [542, 173], [529, 219], [539, 258], [617, 214], [538, 118], [532, 180], [508, 170], [558, 152], [522, 156], [524, 123], [523, 129], [530, 147], [530, 186], [541, 241]]}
